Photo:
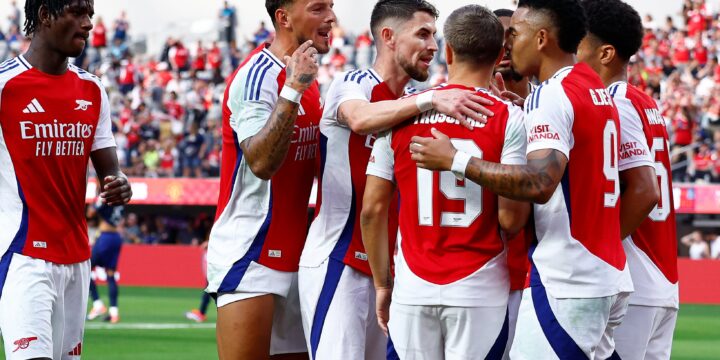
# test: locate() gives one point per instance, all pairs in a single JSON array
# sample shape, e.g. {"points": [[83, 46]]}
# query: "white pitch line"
{"points": [[147, 326]]}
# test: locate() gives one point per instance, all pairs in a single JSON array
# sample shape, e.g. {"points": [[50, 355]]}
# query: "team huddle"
{"points": [[521, 210]]}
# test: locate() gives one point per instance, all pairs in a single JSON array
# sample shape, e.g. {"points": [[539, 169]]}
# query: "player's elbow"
{"points": [[543, 195], [360, 125], [370, 213], [648, 196], [262, 169]]}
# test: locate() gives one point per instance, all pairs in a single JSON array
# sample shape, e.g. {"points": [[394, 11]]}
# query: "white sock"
{"points": [[114, 311], [97, 304]]}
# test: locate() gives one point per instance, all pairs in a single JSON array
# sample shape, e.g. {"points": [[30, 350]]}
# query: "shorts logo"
{"points": [[77, 351], [23, 343], [361, 256], [274, 253], [40, 244]]}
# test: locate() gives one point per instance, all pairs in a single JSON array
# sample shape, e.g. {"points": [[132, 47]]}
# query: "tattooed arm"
{"points": [[266, 150], [535, 182]]}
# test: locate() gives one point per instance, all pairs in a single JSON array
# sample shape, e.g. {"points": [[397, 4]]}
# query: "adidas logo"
{"points": [[77, 351], [33, 107]]}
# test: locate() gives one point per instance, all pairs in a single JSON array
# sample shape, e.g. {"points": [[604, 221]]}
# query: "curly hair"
{"points": [[626, 32], [32, 12], [567, 16]]}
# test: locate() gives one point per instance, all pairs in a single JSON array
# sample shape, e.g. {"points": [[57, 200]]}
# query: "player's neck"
{"points": [[283, 45], [392, 74], [551, 65], [42, 58], [469, 75], [612, 75]]}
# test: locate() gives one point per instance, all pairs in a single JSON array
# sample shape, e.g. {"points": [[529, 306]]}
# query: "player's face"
{"points": [[312, 20], [69, 32], [522, 43], [504, 67], [415, 46], [588, 53]]}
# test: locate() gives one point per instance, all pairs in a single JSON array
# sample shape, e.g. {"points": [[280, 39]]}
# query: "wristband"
{"points": [[459, 164], [290, 94], [424, 101]]}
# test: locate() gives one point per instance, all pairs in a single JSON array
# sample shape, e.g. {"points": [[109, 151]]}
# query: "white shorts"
{"points": [[256, 278], [550, 328], [646, 333], [287, 332], [513, 309], [338, 311], [42, 308], [421, 332]]}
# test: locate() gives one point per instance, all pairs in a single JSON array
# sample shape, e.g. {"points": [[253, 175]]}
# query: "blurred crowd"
{"points": [[702, 245]]}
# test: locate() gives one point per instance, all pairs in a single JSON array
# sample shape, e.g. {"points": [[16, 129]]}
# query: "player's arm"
{"points": [[266, 150], [374, 226], [640, 189], [364, 117], [535, 182], [115, 189], [639, 196]]}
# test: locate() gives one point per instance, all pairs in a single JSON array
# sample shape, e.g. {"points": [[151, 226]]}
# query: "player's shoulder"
{"points": [[547, 94], [82, 74], [260, 64], [12, 68], [360, 76]]}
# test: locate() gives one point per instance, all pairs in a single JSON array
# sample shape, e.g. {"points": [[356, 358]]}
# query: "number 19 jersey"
{"points": [[577, 251], [450, 251]]}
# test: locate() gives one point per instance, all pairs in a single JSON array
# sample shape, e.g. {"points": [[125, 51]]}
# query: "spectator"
{"points": [[228, 20], [200, 60], [99, 34], [697, 246], [179, 57], [715, 248], [261, 35], [121, 28], [190, 148], [15, 15], [131, 230]]}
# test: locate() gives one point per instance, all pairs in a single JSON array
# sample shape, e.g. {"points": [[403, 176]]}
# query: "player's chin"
{"points": [[321, 44], [76, 48]]}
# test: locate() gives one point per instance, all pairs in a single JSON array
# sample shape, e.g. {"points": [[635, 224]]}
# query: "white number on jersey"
{"points": [[469, 192], [610, 162], [662, 209]]}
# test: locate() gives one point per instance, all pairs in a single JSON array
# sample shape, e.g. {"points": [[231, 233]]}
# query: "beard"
{"points": [[509, 74], [414, 73]]}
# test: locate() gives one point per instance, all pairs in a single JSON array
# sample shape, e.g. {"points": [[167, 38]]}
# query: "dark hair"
{"points": [[568, 18], [273, 5], [626, 32], [32, 10], [503, 13], [398, 9], [475, 34]]}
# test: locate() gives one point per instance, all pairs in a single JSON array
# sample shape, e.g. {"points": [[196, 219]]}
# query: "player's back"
{"points": [[652, 248], [449, 228], [579, 252]]}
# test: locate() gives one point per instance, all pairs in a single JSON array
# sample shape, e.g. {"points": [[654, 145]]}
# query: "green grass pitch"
{"points": [[153, 326]]}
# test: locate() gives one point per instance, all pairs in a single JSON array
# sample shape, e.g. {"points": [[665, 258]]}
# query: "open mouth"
{"points": [[504, 63], [324, 34]]}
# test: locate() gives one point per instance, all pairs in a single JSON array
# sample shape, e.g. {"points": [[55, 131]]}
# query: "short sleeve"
{"points": [[352, 85], [103, 134], [634, 150], [515, 145], [382, 159], [251, 103], [549, 120]]}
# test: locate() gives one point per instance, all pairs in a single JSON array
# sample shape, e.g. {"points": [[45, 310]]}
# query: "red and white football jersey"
{"points": [[578, 251], [335, 231], [261, 221], [450, 250], [652, 249], [49, 125]]}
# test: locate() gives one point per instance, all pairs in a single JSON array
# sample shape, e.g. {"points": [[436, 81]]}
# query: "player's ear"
{"points": [[388, 36], [44, 16], [542, 38], [282, 18], [607, 54], [449, 55]]}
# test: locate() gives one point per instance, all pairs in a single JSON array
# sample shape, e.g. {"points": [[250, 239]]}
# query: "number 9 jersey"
{"points": [[450, 251], [577, 251]]}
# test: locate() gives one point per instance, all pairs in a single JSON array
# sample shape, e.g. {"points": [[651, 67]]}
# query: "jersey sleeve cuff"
{"points": [[635, 164], [549, 146], [380, 173], [104, 144]]}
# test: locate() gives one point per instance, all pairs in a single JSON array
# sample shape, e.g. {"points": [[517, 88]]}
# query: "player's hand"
{"points": [[302, 67], [461, 105], [498, 89], [382, 307], [116, 191], [435, 153]]}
